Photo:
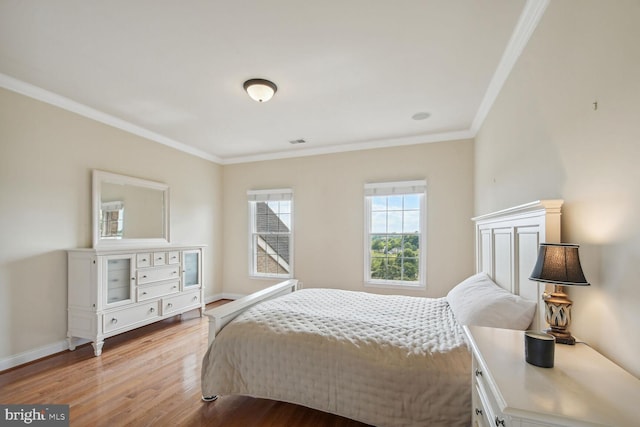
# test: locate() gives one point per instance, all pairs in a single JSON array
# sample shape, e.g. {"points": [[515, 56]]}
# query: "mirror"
{"points": [[129, 211]]}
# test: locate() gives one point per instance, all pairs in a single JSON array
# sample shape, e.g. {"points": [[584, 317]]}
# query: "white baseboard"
{"points": [[232, 296], [217, 297], [212, 298], [31, 355], [57, 347]]}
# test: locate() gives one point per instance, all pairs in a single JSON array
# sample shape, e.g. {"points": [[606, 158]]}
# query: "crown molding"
{"points": [[356, 146], [527, 23], [35, 92], [54, 99]]}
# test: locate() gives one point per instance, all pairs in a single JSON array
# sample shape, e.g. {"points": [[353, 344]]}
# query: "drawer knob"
{"points": [[478, 373], [151, 310], [169, 305], [144, 293], [114, 320], [478, 411], [144, 277], [499, 422]]}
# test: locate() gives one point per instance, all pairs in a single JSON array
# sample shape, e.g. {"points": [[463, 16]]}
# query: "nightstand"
{"points": [[582, 389]]}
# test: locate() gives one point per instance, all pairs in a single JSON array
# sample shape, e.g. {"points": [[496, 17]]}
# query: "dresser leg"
{"points": [[72, 342], [97, 347]]}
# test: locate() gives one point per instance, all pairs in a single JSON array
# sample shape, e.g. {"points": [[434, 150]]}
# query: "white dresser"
{"points": [[111, 291], [582, 389]]}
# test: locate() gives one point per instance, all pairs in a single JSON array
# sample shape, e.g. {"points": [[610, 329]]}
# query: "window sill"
{"points": [[270, 277], [394, 285]]}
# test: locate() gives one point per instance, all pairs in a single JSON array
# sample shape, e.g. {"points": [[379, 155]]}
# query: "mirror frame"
{"points": [[100, 177]]}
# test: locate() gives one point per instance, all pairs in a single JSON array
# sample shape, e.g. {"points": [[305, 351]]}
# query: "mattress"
{"points": [[382, 360]]}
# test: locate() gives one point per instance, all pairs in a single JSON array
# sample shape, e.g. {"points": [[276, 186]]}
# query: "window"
{"points": [[270, 233], [112, 220], [394, 234]]}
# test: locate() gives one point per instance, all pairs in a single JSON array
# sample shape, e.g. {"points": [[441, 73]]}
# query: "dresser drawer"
{"points": [[159, 258], [143, 259], [173, 257], [485, 400], [482, 414], [157, 290], [149, 275], [180, 302], [119, 319], [478, 412]]}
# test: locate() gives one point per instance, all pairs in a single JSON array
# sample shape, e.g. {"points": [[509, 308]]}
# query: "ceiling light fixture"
{"points": [[260, 90]]}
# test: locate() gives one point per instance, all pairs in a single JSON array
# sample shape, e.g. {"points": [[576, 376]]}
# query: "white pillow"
{"points": [[478, 300]]}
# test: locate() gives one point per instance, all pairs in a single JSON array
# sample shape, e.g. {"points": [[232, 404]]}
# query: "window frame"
{"points": [[254, 196], [397, 188]]}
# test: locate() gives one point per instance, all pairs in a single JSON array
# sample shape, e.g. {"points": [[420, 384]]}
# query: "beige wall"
{"points": [[46, 158], [329, 213], [544, 139]]}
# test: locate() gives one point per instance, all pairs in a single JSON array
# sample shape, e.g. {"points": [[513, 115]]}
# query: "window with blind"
{"points": [[395, 239], [271, 233]]}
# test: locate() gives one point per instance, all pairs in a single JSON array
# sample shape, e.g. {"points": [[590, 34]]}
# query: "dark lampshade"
{"points": [[559, 263]]}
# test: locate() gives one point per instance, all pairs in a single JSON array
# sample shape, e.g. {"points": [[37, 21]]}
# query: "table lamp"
{"points": [[558, 264]]}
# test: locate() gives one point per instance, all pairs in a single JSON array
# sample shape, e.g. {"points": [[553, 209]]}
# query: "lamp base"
{"points": [[562, 337], [558, 315]]}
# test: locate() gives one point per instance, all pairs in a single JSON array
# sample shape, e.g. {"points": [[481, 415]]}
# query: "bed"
{"points": [[382, 360]]}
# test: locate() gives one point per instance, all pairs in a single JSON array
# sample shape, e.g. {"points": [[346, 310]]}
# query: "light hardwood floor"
{"points": [[149, 376]]}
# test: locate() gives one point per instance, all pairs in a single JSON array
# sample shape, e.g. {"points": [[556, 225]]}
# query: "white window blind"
{"points": [[391, 188], [270, 195]]}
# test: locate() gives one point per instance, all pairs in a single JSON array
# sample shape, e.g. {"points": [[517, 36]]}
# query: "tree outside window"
{"points": [[394, 242]]}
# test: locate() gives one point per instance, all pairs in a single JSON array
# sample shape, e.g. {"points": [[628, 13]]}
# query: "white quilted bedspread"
{"points": [[382, 360]]}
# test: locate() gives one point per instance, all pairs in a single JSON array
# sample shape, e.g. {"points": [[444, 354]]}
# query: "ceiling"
{"points": [[350, 74]]}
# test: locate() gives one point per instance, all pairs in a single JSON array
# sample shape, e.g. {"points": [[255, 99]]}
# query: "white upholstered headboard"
{"points": [[507, 247]]}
